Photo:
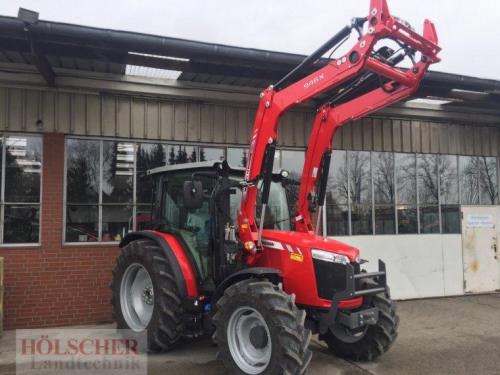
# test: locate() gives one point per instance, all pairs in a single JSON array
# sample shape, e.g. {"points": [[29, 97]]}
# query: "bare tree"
{"points": [[427, 179], [469, 180], [383, 177], [448, 175], [360, 179], [337, 187], [488, 179], [406, 181]]}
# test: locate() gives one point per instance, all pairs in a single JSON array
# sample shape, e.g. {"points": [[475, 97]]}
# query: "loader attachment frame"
{"points": [[360, 63]]}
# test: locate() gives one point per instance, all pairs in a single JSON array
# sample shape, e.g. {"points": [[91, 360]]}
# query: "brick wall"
{"points": [[52, 284]]}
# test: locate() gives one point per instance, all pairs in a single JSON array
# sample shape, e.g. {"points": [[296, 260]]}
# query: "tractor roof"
{"points": [[210, 164]]}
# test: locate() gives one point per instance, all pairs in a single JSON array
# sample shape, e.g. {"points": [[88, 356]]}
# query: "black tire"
{"points": [[377, 338], [289, 338], [165, 328]]}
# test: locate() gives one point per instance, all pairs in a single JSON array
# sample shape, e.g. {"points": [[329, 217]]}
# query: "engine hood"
{"points": [[308, 241]]}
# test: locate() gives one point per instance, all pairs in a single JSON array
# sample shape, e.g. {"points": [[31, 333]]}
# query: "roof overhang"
{"points": [[55, 49]]}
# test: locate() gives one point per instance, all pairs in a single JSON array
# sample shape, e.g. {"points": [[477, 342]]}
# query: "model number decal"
{"points": [[314, 81], [272, 244]]}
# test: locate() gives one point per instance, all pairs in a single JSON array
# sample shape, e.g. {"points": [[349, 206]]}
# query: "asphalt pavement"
{"points": [[459, 335]]}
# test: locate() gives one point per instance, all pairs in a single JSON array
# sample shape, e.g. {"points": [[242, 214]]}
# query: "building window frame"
{"points": [[3, 203], [135, 204], [418, 204]]}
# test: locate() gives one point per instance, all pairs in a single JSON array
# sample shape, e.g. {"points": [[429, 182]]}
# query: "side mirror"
{"points": [[193, 194]]}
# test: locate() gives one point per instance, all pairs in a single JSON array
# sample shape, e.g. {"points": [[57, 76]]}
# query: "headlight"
{"points": [[329, 257]]}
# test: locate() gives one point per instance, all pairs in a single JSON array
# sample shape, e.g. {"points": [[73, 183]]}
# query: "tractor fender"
{"points": [[272, 274], [177, 259]]}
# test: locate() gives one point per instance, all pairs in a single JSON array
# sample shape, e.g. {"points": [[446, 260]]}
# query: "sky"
{"points": [[469, 31]]}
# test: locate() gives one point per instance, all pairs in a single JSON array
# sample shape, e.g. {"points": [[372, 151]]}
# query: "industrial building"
{"points": [[85, 112]]}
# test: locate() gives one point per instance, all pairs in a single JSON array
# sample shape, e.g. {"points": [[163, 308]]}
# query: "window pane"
{"points": [[149, 156], [361, 219], [336, 192], [23, 162], [277, 161], [143, 217], [210, 153], [82, 223], [488, 180], [116, 222], [21, 224], [277, 209], [385, 220], [407, 219], [337, 220], [1, 161], [237, 157], [427, 179], [469, 179], [448, 174], [180, 154], [406, 182], [450, 219], [293, 162], [118, 170], [82, 175], [360, 178], [383, 177], [429, 219]]}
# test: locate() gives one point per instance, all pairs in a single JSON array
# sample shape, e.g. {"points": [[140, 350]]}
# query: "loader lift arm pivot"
{"points": [[360, 63]]}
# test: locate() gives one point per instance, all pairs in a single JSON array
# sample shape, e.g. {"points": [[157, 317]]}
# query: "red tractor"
{"points": [[225, 256]]}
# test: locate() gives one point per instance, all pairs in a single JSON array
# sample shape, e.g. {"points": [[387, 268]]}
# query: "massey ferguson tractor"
{"points": [[226, 257]]}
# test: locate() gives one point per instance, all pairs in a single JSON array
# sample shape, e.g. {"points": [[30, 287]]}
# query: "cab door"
{"points": [[190, 226]]}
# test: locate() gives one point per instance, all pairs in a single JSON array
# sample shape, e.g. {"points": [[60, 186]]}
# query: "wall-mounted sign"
{"points": [[480, 221]]}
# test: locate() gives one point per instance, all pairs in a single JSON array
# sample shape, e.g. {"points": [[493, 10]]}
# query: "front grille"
{"points": [[330, 277]]}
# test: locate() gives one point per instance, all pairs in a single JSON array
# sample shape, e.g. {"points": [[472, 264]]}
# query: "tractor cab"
{"points": [[198, 203]]}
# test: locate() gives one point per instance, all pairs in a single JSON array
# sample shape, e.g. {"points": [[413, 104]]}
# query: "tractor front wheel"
{"points": [[372, 341], [260, 330]]}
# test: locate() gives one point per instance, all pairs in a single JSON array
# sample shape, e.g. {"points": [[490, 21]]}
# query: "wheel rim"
{"points": [[249, 340], [137, 297]]}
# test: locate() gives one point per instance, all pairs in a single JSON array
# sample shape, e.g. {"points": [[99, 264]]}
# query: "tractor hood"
{"points": [[281, 240]]}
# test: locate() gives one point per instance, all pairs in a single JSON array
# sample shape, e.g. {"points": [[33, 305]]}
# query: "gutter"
{"points": [[125, 41]]}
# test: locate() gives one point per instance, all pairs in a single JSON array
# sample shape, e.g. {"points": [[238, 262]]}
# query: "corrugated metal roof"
{"points": [[84, 48]]}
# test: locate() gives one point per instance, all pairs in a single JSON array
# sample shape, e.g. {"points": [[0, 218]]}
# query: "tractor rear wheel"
{"points": [[260, 330], [145, 296], [372, 341]]}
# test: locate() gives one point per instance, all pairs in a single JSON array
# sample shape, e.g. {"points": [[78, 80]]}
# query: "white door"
{"points": [[480, 232]]}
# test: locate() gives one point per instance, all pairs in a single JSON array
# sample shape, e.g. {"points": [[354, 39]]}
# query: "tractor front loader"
{"points": [[226, 257]]}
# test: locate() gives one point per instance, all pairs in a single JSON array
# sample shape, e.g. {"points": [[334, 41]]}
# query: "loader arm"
{"points": [[359, 61], [328, 119]]}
